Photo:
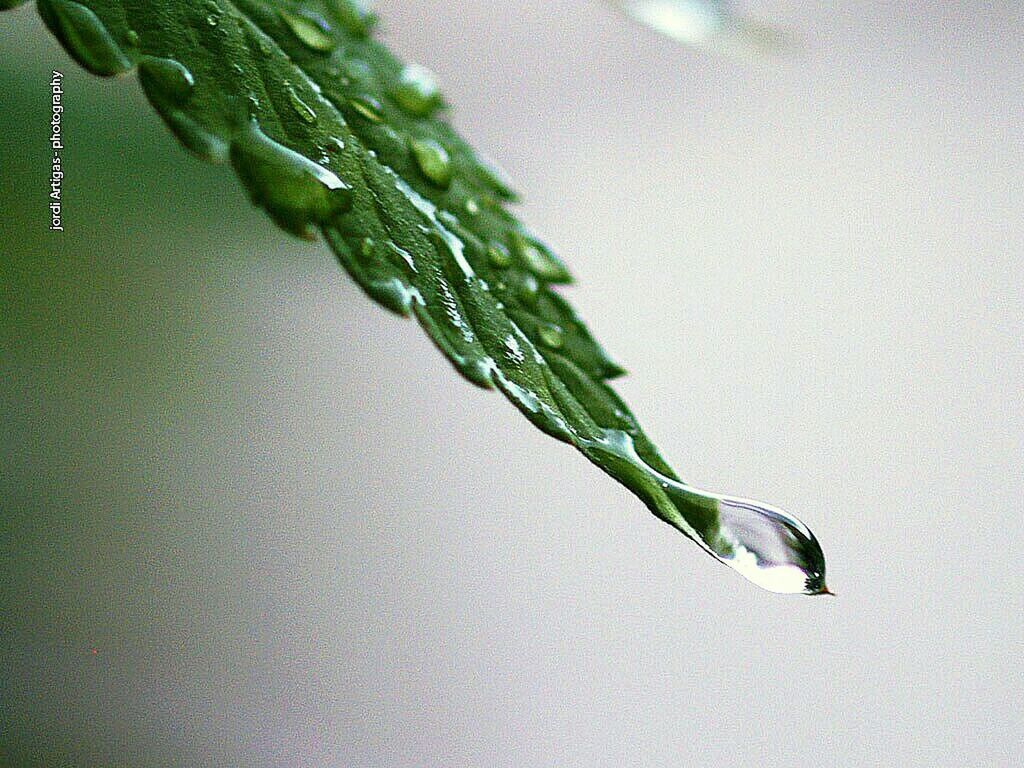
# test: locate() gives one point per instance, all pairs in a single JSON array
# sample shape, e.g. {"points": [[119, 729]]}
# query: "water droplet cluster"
{"points": [[328, 133]]}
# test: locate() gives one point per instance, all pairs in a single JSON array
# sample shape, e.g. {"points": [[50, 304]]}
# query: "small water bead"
{"points": [[499, 255], [529, 287], [84, 36], [472, 206], [133, 38], [551, 335], [368, 107], [168, 85], [335, 145], [302, 109], [539, 259], [312, 30], [165, 80], [358, 71], [296, 192], [417, 92], [433, 161], [356, 20]]}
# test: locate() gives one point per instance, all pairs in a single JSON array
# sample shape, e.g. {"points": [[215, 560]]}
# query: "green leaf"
{"points": [[330, 133]]}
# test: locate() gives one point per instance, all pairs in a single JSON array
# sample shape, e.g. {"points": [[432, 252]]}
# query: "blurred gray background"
{"points": [[247, 518]]}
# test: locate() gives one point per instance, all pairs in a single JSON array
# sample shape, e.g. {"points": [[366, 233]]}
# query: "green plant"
{"points": [[332, 135]]}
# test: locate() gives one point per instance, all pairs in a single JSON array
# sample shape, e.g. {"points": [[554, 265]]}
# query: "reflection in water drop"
{"points": [[769, 547], [707, 24]]}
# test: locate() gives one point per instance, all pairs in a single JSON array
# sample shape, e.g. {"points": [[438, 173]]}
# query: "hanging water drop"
{"points": [[433, 161], [312, 30], [133, 38], [764, 544], [417, 92]]}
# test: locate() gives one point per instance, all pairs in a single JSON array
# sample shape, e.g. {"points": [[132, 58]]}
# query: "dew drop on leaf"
{"points": [[433, 161], [165, 79], [295, 191], [368, 107], [416, 91], [528, 288], [539, 259], [312, 30], [354, 17], [708, 24], [302, 109], [499, 255], [551, 335]]}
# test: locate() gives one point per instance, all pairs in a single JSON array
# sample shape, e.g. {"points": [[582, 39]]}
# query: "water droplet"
{"points": [[165, 79], [354, 17], [168, 85], [551, 335], [302, 109], [358, 71], [499, 256], [528, 288], [764, 544], [84, 36], [433, 161], [768, 546], [335, 145], [686, 20], [312, 30], [472, 206], [368, 107], [416, 91], [539, 260], [133, 38], [212, 20], [707, 24], [296, 192]]}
